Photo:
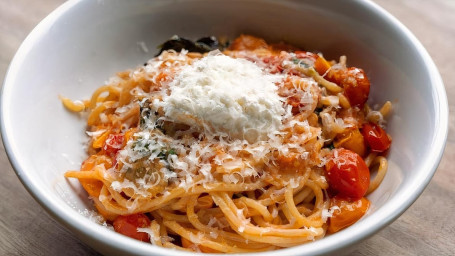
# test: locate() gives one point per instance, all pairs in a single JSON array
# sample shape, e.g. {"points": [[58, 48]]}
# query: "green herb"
{"points": [[163, 155], [300, 62], [140, 146], [145, 111]]}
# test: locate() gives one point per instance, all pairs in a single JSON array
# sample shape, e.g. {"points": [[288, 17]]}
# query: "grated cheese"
{"points": [[236, 104], [223, 95]]}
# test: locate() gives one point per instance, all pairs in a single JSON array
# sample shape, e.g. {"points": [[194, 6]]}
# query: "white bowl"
{"points": [[82, 43]]}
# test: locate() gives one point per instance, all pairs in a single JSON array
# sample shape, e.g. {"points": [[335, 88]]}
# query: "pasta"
{"points": [[242, 150]]}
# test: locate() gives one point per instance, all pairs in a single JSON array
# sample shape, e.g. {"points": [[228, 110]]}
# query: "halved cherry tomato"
{"points": [[356, 86], [376, 137], [347, 174], [352, 140], [349, 212], [355, 83], [128, 225], [113, 144]]}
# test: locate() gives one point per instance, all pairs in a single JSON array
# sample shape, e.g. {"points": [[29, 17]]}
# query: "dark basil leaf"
{"points": [[176, 43], [209, 41]]}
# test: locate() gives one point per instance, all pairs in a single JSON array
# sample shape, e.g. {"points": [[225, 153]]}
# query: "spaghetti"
{"points": [[163, 169]]}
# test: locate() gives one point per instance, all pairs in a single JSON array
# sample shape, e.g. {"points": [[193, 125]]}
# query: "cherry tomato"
{"points": [[355, 83], [347, 174], [352, 140], [336, 75], [128, 225], [376, 137], [348, 213], [356, 86], [113, 144], [248, 43]]}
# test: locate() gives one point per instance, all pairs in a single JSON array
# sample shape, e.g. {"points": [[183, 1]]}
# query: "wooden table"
{"points": [[426, 228]]}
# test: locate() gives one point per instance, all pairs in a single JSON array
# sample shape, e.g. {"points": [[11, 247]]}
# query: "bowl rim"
{"points": [[94, 234]]}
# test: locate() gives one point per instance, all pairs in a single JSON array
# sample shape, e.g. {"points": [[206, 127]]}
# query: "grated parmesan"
{"points": [[223, 95]]}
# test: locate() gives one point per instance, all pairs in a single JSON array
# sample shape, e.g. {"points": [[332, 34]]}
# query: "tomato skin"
{"points": [[352, 140], [356, 86], [350, 211], [127, 225], [355, 83], [347, 174], [248, 43], [113, 144], [376, 137], [336, 75]]}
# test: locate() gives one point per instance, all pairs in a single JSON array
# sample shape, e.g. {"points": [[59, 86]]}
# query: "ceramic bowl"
{"points": [[84, 42]]}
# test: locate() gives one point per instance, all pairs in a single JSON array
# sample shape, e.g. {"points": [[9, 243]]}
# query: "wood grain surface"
{"points": [[426, 228]]}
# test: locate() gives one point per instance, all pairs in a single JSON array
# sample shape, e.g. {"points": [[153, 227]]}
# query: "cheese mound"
{"points": [[226, 96]]}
